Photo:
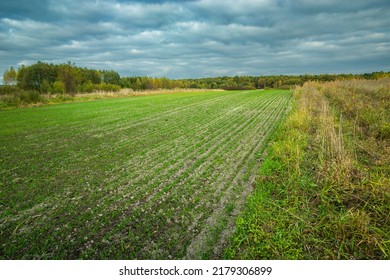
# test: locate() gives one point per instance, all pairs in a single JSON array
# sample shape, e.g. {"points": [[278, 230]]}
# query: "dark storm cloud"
{"points": [[199, 38], [34, 9]]}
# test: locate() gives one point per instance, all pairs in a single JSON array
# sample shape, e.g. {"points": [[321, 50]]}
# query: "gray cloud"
{"points": [[199, 38], [34, 9]]}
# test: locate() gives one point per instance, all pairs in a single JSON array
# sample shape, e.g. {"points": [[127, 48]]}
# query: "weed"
{"points": [[323, 191]]}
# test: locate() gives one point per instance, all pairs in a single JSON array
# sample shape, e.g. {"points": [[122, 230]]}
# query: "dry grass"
{"points": [[34, 99], [129, 92], [324, 189]]}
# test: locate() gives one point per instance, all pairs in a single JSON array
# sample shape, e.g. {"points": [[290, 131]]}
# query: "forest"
{"points": [[48, 78]]}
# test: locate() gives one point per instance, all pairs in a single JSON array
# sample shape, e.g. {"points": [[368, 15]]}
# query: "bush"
{"points": [[8, 90], [19, 98], [31, 96], [58, 87], [86, 87]]}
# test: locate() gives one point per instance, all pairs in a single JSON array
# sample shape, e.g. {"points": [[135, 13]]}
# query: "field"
{"points": [[150, 177], [323, 191]]}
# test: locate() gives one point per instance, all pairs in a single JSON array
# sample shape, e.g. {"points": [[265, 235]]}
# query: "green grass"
{"points": [[151, 177]]}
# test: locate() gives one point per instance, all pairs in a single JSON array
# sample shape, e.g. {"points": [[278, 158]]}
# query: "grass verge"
{"points": [[323, 190]]}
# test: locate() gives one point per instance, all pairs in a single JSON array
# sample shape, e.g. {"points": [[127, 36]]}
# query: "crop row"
{"points": [[147, 177]]}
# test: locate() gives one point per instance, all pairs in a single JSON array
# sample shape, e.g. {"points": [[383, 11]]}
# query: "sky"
{"points": [[199, 38]]}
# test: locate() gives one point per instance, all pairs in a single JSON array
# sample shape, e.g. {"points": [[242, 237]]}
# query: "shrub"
{"points": [[8, 90]]}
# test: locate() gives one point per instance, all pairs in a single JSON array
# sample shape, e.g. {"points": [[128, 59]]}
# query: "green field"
{"points": [[151, 177]]}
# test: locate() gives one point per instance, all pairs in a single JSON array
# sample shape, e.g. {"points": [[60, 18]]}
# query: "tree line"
{"points": [[62, 78], [45, 78]]}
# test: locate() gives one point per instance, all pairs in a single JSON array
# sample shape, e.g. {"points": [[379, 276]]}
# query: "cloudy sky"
{"points": [[199, 38]]}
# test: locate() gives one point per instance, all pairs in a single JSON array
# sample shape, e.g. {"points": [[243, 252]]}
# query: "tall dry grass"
{"points": [[324, 190], [31, 98], [350, 147]]}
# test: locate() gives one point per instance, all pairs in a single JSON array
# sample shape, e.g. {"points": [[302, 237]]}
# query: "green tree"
{"points": [[93, 75], [9, 77], [45, 87], [32, 77], [138, 84], [69, 77], [111, 77], [261, 83], [58, 87]]}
